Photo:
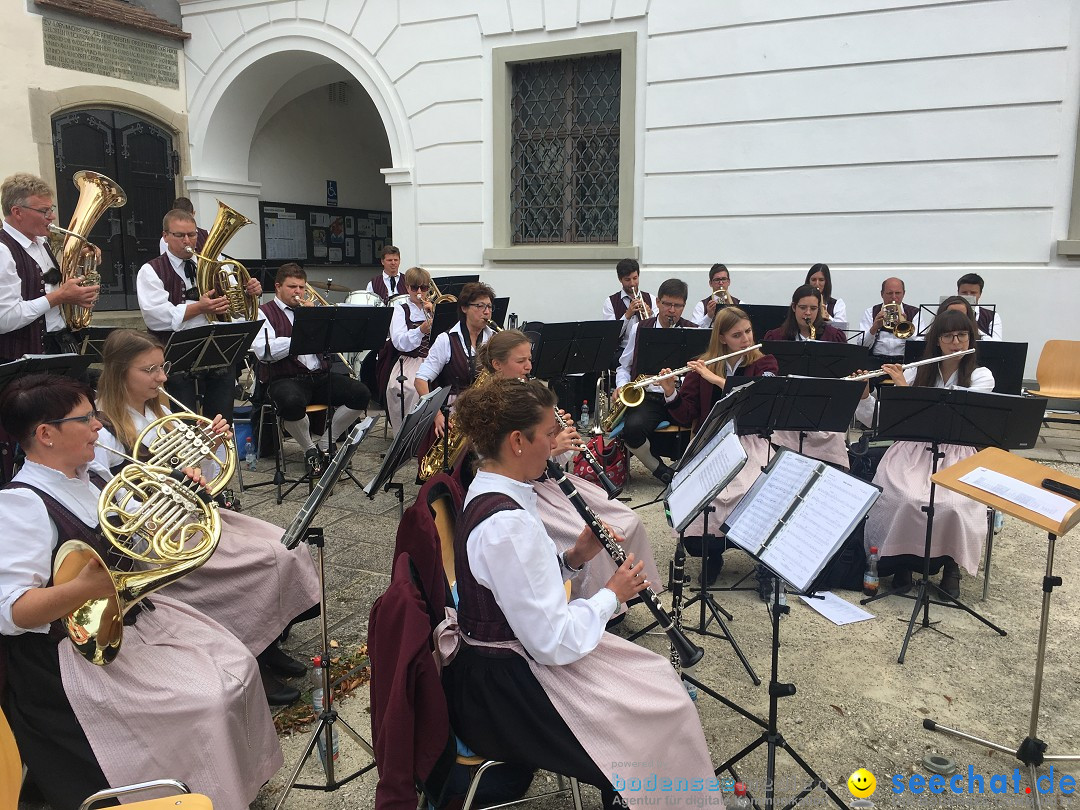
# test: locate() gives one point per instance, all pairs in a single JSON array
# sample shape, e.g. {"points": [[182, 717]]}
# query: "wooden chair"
{"points": [[12, 773], [1058, 375]]}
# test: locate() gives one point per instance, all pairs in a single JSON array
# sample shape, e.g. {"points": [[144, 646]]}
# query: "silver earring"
{"points": [[51, 444]]}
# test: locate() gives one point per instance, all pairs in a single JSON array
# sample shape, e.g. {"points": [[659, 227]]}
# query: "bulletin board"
{"points": [[317, 235]]}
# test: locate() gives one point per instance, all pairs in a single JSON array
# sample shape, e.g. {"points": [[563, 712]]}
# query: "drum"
{"points": [[363, 298], [395, 300]]}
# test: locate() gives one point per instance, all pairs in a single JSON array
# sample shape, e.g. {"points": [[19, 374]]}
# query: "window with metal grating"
{"points": [[564, 161]]}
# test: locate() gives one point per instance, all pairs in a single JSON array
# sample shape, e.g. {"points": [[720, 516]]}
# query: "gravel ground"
{"points": [[855, 705]]}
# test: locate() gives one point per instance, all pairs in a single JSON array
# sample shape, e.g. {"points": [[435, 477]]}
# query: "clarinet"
{"points": [[677, 582], [688, 652], [594, 464], [319, 493]]}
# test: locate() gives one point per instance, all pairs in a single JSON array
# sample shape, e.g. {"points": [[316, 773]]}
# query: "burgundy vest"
{"points": [[288, 366], [620, 307], [479, 615], [651, 324], [831, 306], [200, 238], [459, 373], [378, 286], [425, 344], [29, 339], [69, 527], [174, 287], [986, 318]]}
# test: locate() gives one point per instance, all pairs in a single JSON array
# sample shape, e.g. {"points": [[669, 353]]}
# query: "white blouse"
{"points": [[511, 554], [404, 338], [30, 536], [982, 379], [439, 353]]}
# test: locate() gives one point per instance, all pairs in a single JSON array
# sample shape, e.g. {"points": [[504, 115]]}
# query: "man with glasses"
{"points": [[640, 422], [30, 288], [296, 381], [170, 301], [705, 309], [388, 283], [885, 347]]}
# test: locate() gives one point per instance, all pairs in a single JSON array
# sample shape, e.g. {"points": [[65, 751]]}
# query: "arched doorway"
{"points": [[137, 154]]}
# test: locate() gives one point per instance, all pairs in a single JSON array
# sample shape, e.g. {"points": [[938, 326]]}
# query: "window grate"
{"points": [[564, 175]]}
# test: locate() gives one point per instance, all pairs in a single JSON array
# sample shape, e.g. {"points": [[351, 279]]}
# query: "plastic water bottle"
{"points": [[250, 459], [584, 421], [691, 690], [741, 800], [317, 705], [870, 578]]}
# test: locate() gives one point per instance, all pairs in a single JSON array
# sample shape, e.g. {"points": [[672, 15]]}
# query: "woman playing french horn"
{"points": [[81, 727], [278, 585]]}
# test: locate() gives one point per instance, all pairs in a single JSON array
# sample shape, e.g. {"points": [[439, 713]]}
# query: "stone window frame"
{"points": [[503, 59], [1070, 247]]}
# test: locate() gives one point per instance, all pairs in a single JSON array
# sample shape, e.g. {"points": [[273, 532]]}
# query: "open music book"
{"points": [[797, 514], [701, 477]]}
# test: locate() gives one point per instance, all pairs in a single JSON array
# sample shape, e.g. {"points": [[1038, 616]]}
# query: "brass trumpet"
{"points": [[633, 393], [637, 298], [153, 518], [722, 297], [895, 321]]}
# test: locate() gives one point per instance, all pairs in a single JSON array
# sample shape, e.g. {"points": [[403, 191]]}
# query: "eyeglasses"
{"points": [[671, 304], [162, 367], [177, 235], [481, 307], [420, 287], [86, 420], [954, 337], [45, 212]]}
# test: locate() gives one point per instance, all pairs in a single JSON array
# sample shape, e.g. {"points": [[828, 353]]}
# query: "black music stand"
{"points": [[402, 450], [942, 416], [812, 358], [328, 331], [208, 348], [64, 365], [92, 339], [764, 317], [451, 285], [563, 349], [668, 348]]}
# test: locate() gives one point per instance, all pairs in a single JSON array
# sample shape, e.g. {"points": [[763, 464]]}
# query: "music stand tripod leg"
{"points": [[1032, 750]]}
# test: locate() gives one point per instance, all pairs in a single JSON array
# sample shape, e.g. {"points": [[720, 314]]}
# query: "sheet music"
{"points": [[821, 521], [697, 484], [1021, 493], [771, 496]]}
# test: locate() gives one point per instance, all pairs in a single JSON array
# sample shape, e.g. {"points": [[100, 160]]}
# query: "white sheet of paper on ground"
{"points": [[836, 610], [1023, 494]]}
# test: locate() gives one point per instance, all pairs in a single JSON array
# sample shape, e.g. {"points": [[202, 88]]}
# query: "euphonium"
{"points": [[153, 518], [227, 277], [896, 321], [186, 439], [77, 258], [437, 454]]}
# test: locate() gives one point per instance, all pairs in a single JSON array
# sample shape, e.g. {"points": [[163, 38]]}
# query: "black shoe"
{"points": [[950, 580], [281, 663], [901, 581], [663, 473], [314, 463], [283, 696]]}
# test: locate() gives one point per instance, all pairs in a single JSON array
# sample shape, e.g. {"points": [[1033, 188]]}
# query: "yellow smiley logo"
{"points": [[862, 784]]}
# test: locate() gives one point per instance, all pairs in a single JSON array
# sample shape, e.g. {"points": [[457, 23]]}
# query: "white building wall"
{"points": [[921, 138]]}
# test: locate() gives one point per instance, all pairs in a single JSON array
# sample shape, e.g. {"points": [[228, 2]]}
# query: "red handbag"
{"points": [[612, 457]]}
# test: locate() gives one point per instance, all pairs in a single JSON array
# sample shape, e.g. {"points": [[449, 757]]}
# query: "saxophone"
{"points": [[445, 454]]}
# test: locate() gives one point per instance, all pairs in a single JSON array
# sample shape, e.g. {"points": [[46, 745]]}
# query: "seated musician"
{"points": [[410, 337], [30, 290], [631, 304], [705, 309], [897, 523], [296, 381], [171, 301], [820, 278], [702, 387], [806, 312], [989, 320], [535, 680], [509, 355], [182, 698], [885, 347], [387, 284], [452, 359], [641, 421], [279, 585]]}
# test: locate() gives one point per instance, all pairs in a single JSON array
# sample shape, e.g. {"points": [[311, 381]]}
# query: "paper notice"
{"points": [[1026, 495]]}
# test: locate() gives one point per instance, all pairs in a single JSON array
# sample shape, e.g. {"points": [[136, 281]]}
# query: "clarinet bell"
{"points": [[690, 654]]}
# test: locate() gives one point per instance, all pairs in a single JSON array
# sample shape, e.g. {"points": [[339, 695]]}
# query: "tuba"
{"points": [[155, 522], [77, 258], [432, 462], [228, 278]]}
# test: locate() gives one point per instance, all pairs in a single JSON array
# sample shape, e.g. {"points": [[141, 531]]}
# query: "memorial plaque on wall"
{"points": [[104, 53]]}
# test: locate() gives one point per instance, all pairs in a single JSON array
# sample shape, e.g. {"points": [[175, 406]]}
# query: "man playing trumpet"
{"points": [[296, 381], [171, 301]]}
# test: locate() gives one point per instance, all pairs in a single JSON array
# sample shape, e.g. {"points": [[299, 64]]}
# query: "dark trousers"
{"points": [[217, 389], [292, 395], [640, 422]]}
